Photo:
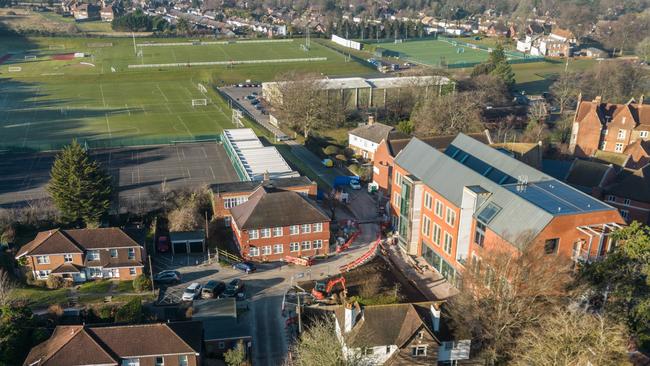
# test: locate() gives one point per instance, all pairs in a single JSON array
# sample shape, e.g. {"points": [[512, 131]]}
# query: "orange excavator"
{"points": [[321, 291]]}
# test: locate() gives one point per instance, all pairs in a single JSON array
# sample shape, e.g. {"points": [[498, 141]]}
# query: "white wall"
{"points": [[346, 42], [362, 143]]}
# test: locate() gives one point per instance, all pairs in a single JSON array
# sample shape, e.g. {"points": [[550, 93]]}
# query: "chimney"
{"points": [[352, 312], [371, 120], [266, 176], [598, 99], [435, 316]]}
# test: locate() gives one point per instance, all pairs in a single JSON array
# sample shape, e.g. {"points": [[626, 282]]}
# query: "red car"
{"points": [[163, 244]]}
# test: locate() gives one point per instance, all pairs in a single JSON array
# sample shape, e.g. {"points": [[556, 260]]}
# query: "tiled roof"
{"points": [[50, 242], [586, 175], [69, 346], [375, 132], [76, 241], [632, 184], [68, 268], [250, 186]]}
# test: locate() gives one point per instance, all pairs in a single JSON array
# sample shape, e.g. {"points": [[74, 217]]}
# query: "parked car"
{"points": [[244, 267], [167, 277], [255, 102], [212, 289], [163, 244], [235, 287], [191, 292], [354, 184]]}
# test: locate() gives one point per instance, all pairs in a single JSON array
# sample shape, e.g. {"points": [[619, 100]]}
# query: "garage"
{"points": [[187, 242]]}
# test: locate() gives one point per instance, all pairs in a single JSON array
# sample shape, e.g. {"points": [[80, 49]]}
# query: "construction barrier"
{"points": [[367, 256]]}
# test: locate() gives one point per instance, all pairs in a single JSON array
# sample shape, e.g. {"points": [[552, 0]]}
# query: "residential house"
{"points": [[616, 128], [176, 343], [497, 29], [274, 223], [563, 35], [85, 12], [225, 196], [83, 254], [222, 328], [365, 139], [398, 334], [106, 13], [452, 207], [593, 52]]}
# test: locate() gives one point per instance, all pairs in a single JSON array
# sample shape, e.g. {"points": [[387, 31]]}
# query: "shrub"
{"points": [[8, 235], [131, 312], [189, 312], [331, 150], [105, 313], [141, 283], [348, 152], [54, 282], [55, 310]]}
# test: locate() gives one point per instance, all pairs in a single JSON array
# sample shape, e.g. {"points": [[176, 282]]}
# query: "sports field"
{"points": [[51, 97], [436, 52]]}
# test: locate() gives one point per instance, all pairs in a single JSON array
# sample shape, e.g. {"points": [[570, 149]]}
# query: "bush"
{"points": [[55, 310], [141, 283], [105, 313], [131, 312], [54, 282], [8, 235], [348, 152], [331, 150]]}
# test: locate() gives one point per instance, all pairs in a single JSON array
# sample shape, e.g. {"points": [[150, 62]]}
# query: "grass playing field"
{"points": [[49, 102]]}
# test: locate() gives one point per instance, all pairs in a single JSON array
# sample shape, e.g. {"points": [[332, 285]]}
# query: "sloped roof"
{"points": [[60, 241], [632, 184], [271, 208], [375, 132], [68, 268], [69, 346], [586, 175], [438, 142], [250, 186]]}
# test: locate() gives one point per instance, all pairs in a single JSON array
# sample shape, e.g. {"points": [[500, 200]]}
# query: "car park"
{"points": [[244, 267], [212, 289], [167, 277], [191, 292]]}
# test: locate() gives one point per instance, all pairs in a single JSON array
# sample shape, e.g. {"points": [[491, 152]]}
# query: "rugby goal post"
{"points": [[199, 102], [14, 69], [202, 88]]}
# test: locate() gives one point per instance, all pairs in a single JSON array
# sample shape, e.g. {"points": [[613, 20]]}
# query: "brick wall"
{"points": [[55, 261], [382, 167], [242, 237]]}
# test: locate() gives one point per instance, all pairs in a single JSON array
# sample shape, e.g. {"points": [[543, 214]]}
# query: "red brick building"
{"points": [[450, 207], [225, 196], [616, 128], [274, 223], [83, 254]]}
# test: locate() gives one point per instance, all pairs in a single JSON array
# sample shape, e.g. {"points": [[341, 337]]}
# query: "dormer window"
{"points": [[621, 135]]}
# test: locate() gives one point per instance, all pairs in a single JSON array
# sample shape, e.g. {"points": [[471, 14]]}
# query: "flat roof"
{"points": [[375, 83]]}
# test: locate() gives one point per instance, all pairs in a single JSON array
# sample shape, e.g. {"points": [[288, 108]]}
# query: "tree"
{"points": [[446, 115], [19, 332], [142, 283], [504, 294], [183, 26], [236, 356], [622, 280], [565, 89], [319, 346], [7, 286], [572, 338], [497, 65], [80, 188], [405, 127], [643, 49], [131, 312]]}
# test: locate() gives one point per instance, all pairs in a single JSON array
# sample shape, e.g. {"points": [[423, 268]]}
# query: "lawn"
{"points": [[40, 296]]}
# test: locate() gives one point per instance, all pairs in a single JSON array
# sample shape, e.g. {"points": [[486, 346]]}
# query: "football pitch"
{"points": [[50, 97]]}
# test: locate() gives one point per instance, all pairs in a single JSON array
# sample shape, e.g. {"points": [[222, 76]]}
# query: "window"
{"points": [[421, 334], [428, 200], [294, 230], [419, 351], [132, 271], [426, 226], [278, 249], [398, 178], [131, 362], [113, 273], [67, 258], [627, 202], [231, 202], [227, 220], [265, 232], [160, 361], [436, 234], [94, 271], [294, 247], [479, 233], [182, 360], [551, 246], [621, 135], [438, 210], [113, 253], [266, 250], [306, 245], [318, 227], [397, 200], [131, 253], [43, 274], [618, 148], [254, 252], [43, 259], [305, 228], [221, 345], [625, 214], [643, 134], [318, 244], [603, 145], [387, 349], [253, 234], [450, 218], [277, 231], [611, 198], [448, 242]]}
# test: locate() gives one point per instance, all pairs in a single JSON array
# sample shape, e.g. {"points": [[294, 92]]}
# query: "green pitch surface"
{"points": [[435, 52], [98, 99]]}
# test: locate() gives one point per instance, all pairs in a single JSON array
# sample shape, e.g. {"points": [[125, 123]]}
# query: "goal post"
{"points": [[202, 88], [199, 102]]}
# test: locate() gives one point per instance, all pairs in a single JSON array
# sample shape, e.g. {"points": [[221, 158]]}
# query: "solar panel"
{"points": [[557, 198]]}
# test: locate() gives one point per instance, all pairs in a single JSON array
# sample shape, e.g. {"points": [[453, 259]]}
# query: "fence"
{"points": [[240, 62]]}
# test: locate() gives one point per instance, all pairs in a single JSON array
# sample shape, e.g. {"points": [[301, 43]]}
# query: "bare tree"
{"points": [[448, 114], [565, 89], [7, 285], [505, 293], [572, 338]]}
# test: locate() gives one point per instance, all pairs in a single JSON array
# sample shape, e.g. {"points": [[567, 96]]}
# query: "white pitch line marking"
{"points": [[102, 91], [108, 126], [212, 171], [161, 92]]}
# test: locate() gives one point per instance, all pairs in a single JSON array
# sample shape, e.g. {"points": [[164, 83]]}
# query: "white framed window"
{"points": [[253, 234], [278, 249], [618, 148], [43, 259], [94, 272], [448, 242], [621, 135], [277, 231], [398, 178], [450, 217], [266, 250], [426, 226], [113, 253], [133, 271], [131, 362], [43, 274], [627, 202], [182, 360], [397, 200], [438, 210], [305, 228], [306, 245], [611, 198], [643, 134], [428, 200], [436, 234], [318, 244], [265, 232], [294, 247], [294, 230], [160, 361], [625, 214], [231, 202], [67, 258], [131, 253], [419, 351], [318, 227], [254, 252], [113, 273], [227, 220]]}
